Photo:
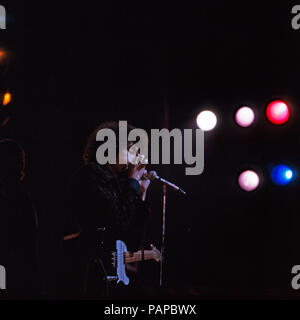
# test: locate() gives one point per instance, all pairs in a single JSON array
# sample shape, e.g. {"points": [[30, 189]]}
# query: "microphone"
{"points": [[152, 175]]}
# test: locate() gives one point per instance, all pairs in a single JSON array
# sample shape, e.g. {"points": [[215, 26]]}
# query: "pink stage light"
{"points": [[278, 112], [244, 117], [248, 180]]}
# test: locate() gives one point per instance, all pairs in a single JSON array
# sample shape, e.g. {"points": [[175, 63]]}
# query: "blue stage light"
{"points": [[282, 174]]}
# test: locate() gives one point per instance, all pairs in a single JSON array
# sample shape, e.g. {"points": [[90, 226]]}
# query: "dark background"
{"points": [[158, 65]]}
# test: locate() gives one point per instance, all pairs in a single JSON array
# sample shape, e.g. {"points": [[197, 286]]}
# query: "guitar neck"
{"points": [[137, 256]]}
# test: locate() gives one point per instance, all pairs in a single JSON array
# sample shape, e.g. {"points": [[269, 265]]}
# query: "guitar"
{"points": [[116, 259], [121, 257]]}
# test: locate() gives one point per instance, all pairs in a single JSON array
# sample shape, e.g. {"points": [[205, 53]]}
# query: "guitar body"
{"points": [[112, 253], [120, 263], [112, 257]]}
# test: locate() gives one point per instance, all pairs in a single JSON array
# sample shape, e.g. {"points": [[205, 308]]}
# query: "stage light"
{"points": [[2, 55], [278, 112], [6, 98], [282, 174], [244, 116], [248, 180], [206, 120]]}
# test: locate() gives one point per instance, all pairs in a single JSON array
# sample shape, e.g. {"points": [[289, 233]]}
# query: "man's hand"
{"points": [[144, 183], [139, 172], [136, 171]]}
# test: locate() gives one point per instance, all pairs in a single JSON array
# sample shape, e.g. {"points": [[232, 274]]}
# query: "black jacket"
{"points": [[98, 200]]}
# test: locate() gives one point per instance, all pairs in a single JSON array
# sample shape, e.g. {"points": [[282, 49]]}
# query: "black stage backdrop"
{"points": [[157, 65]]}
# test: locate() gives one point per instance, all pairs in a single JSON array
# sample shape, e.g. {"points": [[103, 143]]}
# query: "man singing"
{"points": [[110, 197]]}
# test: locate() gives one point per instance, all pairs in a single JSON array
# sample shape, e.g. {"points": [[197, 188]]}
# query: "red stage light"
{"points": [[278, 112]]}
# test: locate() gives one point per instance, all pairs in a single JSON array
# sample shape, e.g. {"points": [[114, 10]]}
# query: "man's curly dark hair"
{"points": [[92, 145]]}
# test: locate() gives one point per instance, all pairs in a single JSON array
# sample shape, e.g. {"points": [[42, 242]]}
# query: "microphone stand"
{"points": [[163, 240], [163, 236]]}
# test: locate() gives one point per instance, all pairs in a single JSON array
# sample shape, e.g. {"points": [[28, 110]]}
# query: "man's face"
{"points": [[129, 155]]}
